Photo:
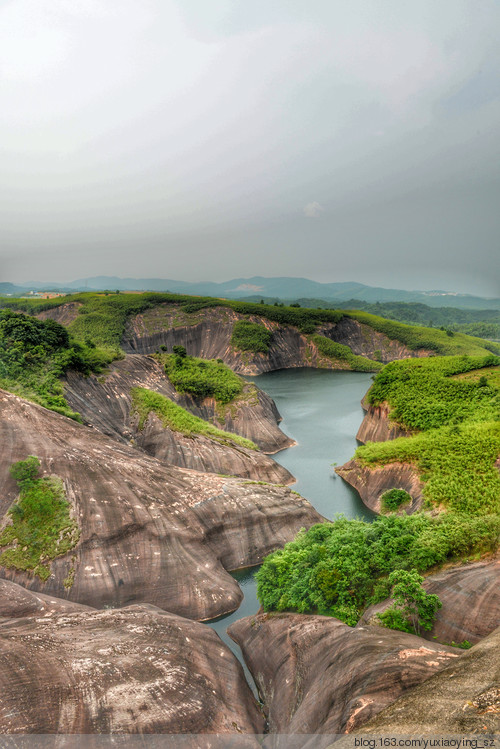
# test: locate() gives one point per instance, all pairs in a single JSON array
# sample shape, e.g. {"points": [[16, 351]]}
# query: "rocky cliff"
{"points": [[470, 597], [372, 481], [148, 532], [462, 699], [207, 333], [134, 670], [317, 675], [104, 402], [377, 426]]}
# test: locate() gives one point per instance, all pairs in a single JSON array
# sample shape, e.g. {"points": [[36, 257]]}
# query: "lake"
{"points": [[322, 412]]}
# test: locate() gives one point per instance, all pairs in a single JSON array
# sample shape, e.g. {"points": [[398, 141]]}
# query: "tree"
{"points": [[413, 609]]}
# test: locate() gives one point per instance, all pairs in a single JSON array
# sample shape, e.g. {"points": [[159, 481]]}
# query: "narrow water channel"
{"points": [[322, 412]]}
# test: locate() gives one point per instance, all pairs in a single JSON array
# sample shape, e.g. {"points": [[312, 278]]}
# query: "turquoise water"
{"points": [[321, 411]]}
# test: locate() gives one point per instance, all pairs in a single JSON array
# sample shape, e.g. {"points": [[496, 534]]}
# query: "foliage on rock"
{"points": [[41, 527]]}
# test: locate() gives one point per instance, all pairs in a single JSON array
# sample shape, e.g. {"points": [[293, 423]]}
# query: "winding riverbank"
{"points": [[321, 410]]}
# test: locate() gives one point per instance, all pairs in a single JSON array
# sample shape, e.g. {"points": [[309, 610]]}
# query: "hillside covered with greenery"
{"points": [[102, 319], [453, 404], [34, 354]]}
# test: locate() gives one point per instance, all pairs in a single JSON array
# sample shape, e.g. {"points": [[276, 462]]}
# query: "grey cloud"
{"points": [[178, 138]]}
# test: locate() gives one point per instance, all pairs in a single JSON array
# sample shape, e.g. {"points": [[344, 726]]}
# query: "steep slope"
{"points": [[207, 333], [463, 698], [317, 675], [105, 402], [148, 532], [135, 670], [470, 598]]}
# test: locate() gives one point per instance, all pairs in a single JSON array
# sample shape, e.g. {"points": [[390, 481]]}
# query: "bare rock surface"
{"points": [[207, 333], [462, 699], [377, 426], [318, 675], [372, 481], [16, 601], [470, 595], [105, 402], [64, 314], [133, 670], [149, 532]]}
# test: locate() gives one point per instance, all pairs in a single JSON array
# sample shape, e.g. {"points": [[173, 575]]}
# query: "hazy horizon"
{"points": [[192, 141]]}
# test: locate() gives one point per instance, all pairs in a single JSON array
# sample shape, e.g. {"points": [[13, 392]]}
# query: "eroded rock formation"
{"points": [[372, 481], [317, 675], [104, 402], [207, 333], [461, 699], [377, 426], [133, 670], [470, 595], [149, 532]]}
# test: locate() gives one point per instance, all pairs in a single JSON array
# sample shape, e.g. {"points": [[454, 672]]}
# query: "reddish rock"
{"points": [[470, 595], [133, 670], [149, 532], [207, 333], [462, 699], [372, 481], [105, 403], [16, 601], [377, 426], [317, 675]]}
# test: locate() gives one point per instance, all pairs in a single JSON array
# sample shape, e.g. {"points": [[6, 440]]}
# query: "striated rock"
{"points": [[149, 532], [372, 481], [65, 314], [377, 426], [463, 698], [104, 402], [136, 670], [470, 595], [16, 601], [207, 333], [318, 675]]}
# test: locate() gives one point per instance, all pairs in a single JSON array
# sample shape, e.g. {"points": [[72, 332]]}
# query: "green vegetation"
{"points": [[250, 336], [413, 609], [393, 499], [337, 569], [41, 527], [431, 339], [102, 319], [178, 419], [339, 352], [459, 440], [34, 354], [201, 377]]}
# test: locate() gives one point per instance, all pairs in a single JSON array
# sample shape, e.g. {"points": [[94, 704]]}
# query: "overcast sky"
{"points": [[211, 139]]}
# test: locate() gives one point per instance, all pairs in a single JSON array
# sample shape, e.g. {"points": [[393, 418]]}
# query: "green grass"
{"points": [[178, 419], [337, 569], [250, 336], [338, 352], [431, 339], [459, 429], [41, 527], [203, 378]]}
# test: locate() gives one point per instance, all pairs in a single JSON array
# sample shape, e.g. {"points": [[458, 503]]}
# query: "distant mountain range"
{"points": [[280, 288]]}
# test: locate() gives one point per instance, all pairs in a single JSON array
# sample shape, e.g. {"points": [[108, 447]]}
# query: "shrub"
{"points": [[249, 336], [394, 498], [414, 609], [202, 378], [337, 569]]}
